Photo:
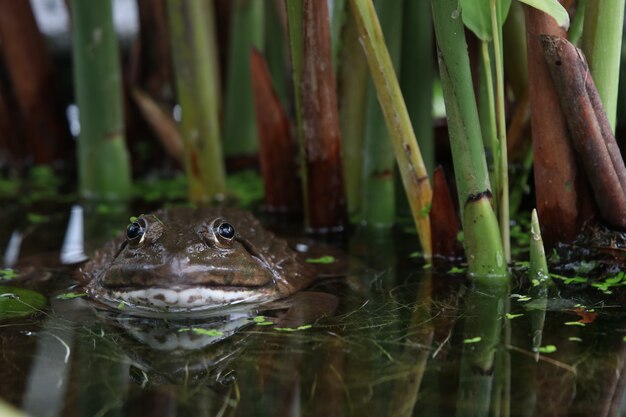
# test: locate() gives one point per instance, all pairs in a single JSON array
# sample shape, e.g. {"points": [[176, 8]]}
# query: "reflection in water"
{"points": [[386, 354], [73, 248], [48, 378], [12, 251], [409, 342], [485, 310]]}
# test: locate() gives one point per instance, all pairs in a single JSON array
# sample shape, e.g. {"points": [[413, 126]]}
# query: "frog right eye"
{"points": [[135, 232]]}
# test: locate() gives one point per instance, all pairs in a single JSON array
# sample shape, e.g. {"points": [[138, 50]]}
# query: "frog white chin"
{"points": [[178, 300]]}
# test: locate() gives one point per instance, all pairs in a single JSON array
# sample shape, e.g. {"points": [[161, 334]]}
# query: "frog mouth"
{"points": [[173, 288], [185, 299], [176, 274]]}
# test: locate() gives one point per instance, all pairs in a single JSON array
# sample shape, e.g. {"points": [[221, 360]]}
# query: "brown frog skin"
{"points": [[194, 259]]}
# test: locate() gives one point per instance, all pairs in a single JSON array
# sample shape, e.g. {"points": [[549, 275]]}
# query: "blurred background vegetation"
{"points": [[337, 112]]}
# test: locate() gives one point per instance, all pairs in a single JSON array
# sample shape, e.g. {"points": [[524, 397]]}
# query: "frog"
{"points": [[190, 260]]}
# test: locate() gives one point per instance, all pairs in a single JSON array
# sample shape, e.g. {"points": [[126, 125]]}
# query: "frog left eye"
{"points": [[226, 230], [134, 231]]}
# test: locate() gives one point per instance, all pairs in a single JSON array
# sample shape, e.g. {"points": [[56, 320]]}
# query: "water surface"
{"points": [[406, 340]]}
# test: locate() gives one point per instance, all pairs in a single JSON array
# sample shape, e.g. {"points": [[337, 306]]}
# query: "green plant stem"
{"points": [[482, 242], [275, 52], [514, 50], [602, 45], [538, 263], [337, 25], [539, 278], [406, 150], [239, 134], [104, 169], [195, 65], [378, 193], [417, 75], [491, 129], [352, 89], [502, 189], [575, 31]]}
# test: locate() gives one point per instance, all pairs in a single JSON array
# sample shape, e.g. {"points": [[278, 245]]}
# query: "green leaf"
{"points": [[71, 295], [8, 274], [574, 339], [574, 323], [616, 279], [104, 208], [477, 16], [553, 8], [19, 302], [569, 280], [261, 321], [472, 340], [547, 349], [201, 331], [36, 218], [425, 211], [293, 329], [522, 264], [456, 270], [575, 280], [327, 259], [512, 316]]}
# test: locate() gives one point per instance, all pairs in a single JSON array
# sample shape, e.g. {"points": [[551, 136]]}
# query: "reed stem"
{"points": [[103, 163], [192, 35]]}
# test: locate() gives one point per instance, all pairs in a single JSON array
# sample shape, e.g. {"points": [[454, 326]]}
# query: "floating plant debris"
{"points": [[20, 302]]}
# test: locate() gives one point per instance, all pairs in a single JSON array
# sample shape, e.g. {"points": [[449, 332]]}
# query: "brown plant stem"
{"points": [[593, 143], [30, 69], [326, 205], [161, 123], [444, 222], [607, 131], [11, 140], [153, 71], [277, 150], [562, 197]]}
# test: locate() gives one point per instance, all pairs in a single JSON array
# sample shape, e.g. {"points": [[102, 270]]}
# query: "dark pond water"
{"points": [[405, 340]]}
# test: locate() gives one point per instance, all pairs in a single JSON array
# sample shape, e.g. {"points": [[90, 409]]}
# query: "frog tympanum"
{"points": [[192, 260]]}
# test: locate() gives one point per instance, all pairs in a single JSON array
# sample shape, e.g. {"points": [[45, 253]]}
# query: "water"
{"points": [[404, 341]]}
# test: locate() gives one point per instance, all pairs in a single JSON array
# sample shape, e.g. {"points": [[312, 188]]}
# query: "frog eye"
{"points": [[135, 231], [226, 230]]}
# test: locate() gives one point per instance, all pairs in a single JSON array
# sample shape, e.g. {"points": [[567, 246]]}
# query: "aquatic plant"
{"points": [[103, 162], [194, 52], [358, 106]]}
